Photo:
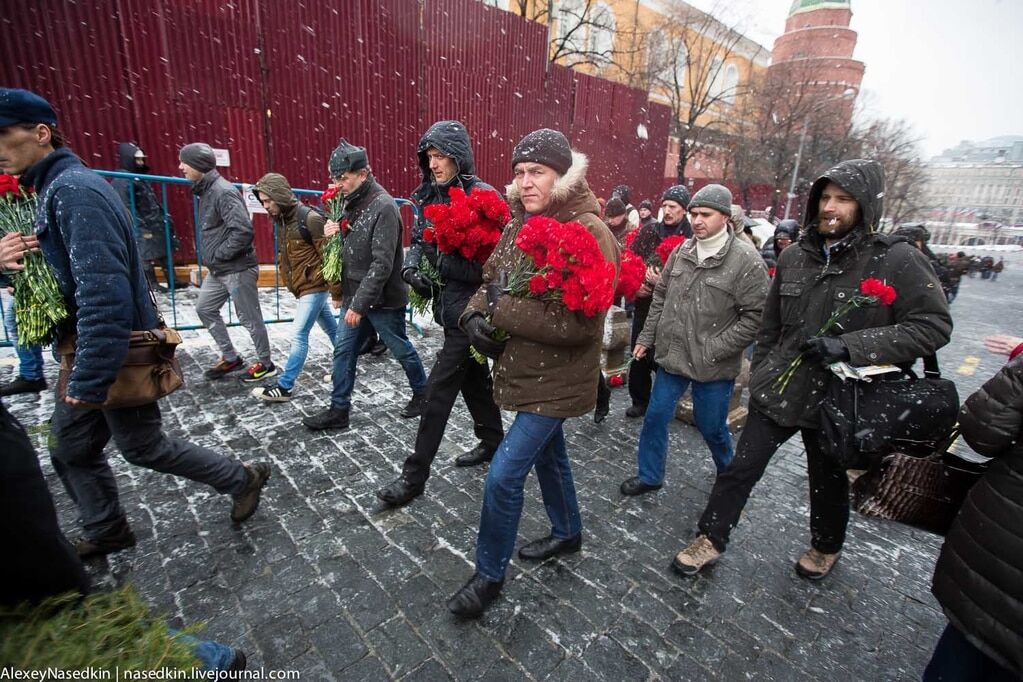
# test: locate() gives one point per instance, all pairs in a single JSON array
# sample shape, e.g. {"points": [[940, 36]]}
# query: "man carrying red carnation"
{"points": [[705, 312], [644, 244], [816, 277], [446, 161], [546, 370]]}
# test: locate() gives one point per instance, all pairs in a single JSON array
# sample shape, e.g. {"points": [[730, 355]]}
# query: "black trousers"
{"points": [[761, 438], [641, 372], [454, 371], [38, 560]]}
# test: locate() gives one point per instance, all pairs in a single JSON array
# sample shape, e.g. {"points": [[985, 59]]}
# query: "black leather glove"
{"points": [[481, 336], [495, 289], [420, 284], [826, 349]]}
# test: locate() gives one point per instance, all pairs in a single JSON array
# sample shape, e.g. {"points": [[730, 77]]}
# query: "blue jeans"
{"points": [[710, 412], [311, 309], [30, 358], [531, 441], [390, 326], [956, 659]]}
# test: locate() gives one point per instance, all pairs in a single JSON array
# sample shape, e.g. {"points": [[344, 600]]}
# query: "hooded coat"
{"points": [[551, 363], [149, 215], [372, 251], [225, 230], [298, 261], [978, 579], [86, 236], [812, 281], [461, 277]]}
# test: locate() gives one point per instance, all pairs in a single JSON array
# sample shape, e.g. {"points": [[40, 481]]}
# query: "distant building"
{"points": [[977, 182]]}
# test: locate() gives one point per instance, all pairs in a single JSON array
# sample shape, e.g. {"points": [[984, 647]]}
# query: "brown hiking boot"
{"points": [[815, 565], [246, 502], [701, 552], [121, 538]]}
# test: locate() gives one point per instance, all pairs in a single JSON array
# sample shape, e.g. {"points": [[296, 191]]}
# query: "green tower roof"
{"points": [[807, 5]]}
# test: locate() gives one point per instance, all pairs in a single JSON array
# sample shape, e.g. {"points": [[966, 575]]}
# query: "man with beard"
{"points": [[371, 287], [815, 277], [446, 161], [674, 221]]}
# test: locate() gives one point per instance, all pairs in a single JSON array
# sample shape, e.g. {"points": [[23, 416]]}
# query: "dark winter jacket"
{"points": [[86, 235], [979, 576], [704, 314], [372, 251], [225, 229], [149, 223], [461, 276], [552, 361], [650, 236], [299, 260], [809, 286], [770, 250]]}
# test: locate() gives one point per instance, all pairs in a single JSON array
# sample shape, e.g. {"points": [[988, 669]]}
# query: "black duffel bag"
{"points": [[863, 420]]}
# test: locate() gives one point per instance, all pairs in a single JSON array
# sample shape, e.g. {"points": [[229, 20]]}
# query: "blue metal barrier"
{"points": [[168, 266]]}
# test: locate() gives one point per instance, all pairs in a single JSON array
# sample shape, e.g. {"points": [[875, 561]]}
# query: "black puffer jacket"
{"points": [[979, 576], [151, 237], [809, 286], [372, 251], [461, 276]]}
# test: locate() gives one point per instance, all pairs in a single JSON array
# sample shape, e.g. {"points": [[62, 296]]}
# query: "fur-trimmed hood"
{"points": [[570, 197]]}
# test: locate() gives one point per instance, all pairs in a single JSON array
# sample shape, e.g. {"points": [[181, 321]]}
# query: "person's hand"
{"points": [[330, 228], [645, 291], [653, 275], [74, 402], [1003, 344], [639, 352], [335, 303], [481, 336], [352, 318], [421, 285], [13, 247], [827, 349], [10, 290]]}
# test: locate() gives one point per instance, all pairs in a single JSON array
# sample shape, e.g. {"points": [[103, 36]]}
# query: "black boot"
{"points": [[23, 385], [544, 548], [603, 401], [474, 597], [480, 454], [118, 539], [330, 418], [401, 491], [415, 406]]}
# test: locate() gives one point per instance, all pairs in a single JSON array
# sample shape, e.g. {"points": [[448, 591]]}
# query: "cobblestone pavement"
{"points": [[324, 581]]}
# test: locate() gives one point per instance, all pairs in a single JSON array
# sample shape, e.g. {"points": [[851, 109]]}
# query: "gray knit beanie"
{"points": [[546, 146], [199, 156], [717, 197]]}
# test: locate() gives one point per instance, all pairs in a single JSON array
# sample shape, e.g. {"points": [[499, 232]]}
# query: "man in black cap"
{"points": [[226, 235], [86, 235], [814, 278], [446, 161], [646, 213], [624, 192], [616, 217], [673, 222], [372, 289]]}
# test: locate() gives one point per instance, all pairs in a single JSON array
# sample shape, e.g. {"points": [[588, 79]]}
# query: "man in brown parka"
{"points": [[546, 370], [299, 261]]}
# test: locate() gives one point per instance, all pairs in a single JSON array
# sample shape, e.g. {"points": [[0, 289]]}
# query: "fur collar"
{"points": [[569, 184]]}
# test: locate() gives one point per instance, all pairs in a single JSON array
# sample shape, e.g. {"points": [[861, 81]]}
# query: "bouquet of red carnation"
{"points": [[872, 290], [333, 249], [469, 225], [564, 263], [38, 302], [665, 248], [631, 276], [630, 237]]}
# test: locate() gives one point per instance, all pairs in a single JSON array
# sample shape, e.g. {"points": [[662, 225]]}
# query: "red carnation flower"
{"points": [[537, 285], [428, 235], [630, 279], [9, 187], [630, 237], [668, 245], [882, 292]]}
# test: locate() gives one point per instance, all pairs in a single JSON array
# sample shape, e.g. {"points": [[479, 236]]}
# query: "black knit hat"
{"points": [[199, 156], [647, 204], [546, 146], [346, 157], [615, 207], [678, 193]]}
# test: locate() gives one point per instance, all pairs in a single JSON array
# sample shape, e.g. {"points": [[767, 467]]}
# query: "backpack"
{"points": [[303, 215]]}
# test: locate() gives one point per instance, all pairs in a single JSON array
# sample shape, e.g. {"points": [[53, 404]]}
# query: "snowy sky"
{"points": [[950, 67]]}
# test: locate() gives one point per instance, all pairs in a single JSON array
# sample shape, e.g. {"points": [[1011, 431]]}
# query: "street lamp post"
{"points": [[848, 93]]}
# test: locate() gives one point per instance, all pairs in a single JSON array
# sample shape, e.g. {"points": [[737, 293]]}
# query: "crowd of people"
{"points": [[712, 300]]}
